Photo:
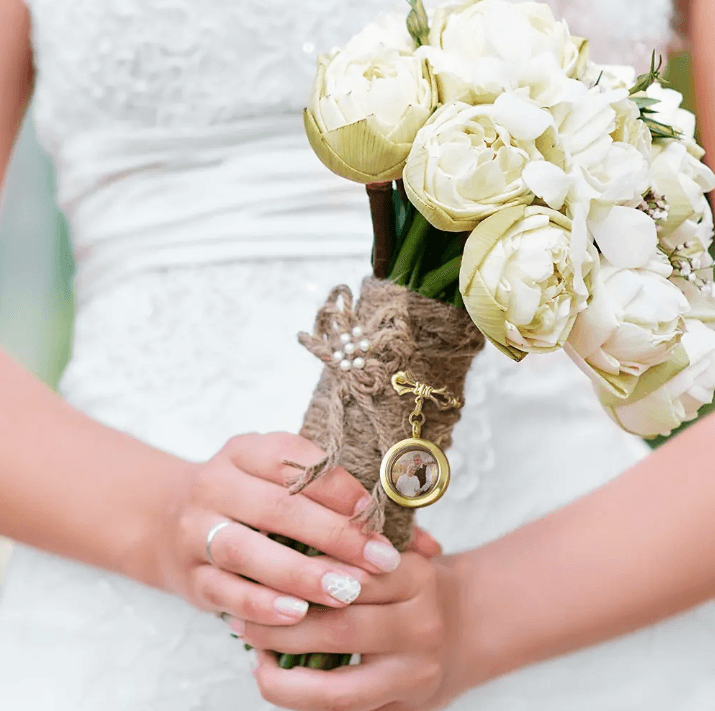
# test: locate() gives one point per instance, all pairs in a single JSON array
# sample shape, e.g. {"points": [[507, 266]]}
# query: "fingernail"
{"points": [[253, 657], [342, 587], [381, 555], [361, 505], [238, 627], [291, 606]]}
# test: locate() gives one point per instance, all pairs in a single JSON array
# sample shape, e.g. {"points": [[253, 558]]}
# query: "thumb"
{"points": [[424, 543]]}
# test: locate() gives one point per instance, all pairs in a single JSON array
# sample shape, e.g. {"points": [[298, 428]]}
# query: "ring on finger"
{"points": [[210, 537]]}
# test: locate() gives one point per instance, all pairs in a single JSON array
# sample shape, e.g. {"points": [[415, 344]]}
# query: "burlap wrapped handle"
{"points": [[355, 415]]}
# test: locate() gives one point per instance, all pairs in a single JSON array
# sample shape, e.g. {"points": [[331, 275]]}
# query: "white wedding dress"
{"points": [[206, 235]]}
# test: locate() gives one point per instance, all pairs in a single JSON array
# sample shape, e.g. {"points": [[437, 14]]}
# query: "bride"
{"points": [[206, 235]]}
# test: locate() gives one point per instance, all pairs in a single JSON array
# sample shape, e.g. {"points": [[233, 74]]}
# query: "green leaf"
{"points": [[644, 102]]}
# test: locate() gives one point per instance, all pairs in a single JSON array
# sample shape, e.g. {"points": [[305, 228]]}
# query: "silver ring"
{"points": [[210, 537]]}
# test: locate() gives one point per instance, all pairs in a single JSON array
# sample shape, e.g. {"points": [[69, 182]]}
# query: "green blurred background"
{"points": [[36, 304]]}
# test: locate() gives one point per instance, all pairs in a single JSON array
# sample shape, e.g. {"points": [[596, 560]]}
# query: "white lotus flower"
{"points": [[482, 48], [517, 279], [368, 102], [680, 397], [633, 322], [467, 161]]}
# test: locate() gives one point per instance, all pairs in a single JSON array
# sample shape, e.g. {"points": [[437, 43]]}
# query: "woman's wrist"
{"points": [[486, 647]]}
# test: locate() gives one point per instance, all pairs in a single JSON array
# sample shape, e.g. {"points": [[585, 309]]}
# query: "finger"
{"points": [[416, 574], [218, 591], [266, 456], [424, 543], [266, 506], [319, 579], [359, 629], [362, 687]]}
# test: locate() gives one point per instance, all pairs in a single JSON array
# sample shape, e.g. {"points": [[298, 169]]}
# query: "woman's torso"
{"points": [[206, 234]]}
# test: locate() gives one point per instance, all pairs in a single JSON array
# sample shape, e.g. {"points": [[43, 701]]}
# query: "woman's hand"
{"points": [[407, 625], [244, 484]]}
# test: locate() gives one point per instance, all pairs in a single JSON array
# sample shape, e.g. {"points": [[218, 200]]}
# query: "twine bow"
{"points": [[404, 383]]}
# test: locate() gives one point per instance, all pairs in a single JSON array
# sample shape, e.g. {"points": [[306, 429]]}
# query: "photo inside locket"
{"points": [[414, 473]]}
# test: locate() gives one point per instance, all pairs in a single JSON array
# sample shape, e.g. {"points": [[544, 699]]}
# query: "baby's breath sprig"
{"points": [[645, 104], [688, 265], [655, 206]]}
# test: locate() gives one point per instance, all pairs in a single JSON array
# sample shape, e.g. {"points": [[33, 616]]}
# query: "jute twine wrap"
{"points": [[355, 416]]}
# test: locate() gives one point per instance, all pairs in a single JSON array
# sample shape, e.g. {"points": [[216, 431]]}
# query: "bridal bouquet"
{"points": [[520, 193]]}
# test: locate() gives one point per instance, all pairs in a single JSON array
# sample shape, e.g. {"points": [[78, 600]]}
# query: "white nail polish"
{"points": [[291, 606], [381, 555], [341, 587]]}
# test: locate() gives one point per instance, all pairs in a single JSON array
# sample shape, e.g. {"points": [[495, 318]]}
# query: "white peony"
{"points": [[517, 280], [467, 161], [677, 400], [482, 48], [368, 102], [633, 322]]}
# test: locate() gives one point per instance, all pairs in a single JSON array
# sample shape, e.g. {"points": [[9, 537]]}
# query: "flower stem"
{"points": [[436, 281], [410, 251]]}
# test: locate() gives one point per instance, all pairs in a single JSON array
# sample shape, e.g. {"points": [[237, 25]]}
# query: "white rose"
{"points": [[584, 160], [683, 180], [680, 397], [517, 279], [467, 161], [368, 102], [609, 76], [631, 129], [484, 47], [700, 293], [633, 322], [687, 249], [668, 112]]}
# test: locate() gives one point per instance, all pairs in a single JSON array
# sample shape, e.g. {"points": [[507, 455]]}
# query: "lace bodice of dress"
{"points": [[181, 63]]}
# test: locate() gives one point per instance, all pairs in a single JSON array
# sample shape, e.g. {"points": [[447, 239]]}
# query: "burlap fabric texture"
{"points": [[355, 415]]}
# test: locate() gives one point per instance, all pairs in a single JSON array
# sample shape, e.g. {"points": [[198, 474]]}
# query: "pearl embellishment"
{"points": [[349, 356]]}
